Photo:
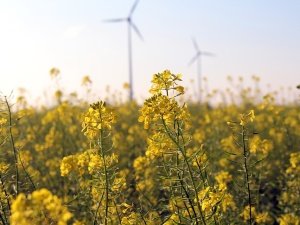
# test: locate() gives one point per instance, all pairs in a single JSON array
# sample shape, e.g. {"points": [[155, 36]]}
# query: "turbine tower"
{"points": [[197, 58], [130, 25]]}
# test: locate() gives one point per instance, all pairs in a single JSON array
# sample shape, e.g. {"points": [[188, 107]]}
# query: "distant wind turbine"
{"points": [[197, 58], [134, 27]]}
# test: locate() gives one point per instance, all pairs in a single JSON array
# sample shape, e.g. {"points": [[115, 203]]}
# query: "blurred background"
{"points": [[241, 39]]}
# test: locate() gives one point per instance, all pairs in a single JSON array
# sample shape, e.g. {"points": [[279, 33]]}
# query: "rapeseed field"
{"points": [[169, 160]]}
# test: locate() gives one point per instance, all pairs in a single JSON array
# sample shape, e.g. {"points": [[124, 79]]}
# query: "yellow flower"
{"points": [[245, 118], [288, 219], [132, 219], [246, 213], [99, 117], [180, 89], [263, 218], [58, 94], [294, 163], [127, 207], [126, 85], [223, 177], [3, 167], [251, 115], [165, 81], [54, 72], [86, 80], [3, 121], [295, 159], [41, 207], [95, 163], [228, 202], [68, 164], [174, 219], [161, 107]]}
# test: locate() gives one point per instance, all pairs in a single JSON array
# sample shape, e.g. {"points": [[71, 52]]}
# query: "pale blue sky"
{"points": [[257, 37]]}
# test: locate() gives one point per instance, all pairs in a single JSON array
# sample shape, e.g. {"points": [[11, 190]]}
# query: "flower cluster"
{"points": [[244, 118], [162, 106], [294, 163], [99, 117], [260, 146], [223, 177], [3, 167], [40, 207], [288, 218], [259, 217], [86, 81], [87, 161], [165, 81], [216, 199]]}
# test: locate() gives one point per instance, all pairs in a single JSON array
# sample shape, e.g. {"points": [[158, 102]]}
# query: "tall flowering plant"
{"points": [[248, 153], [95, 169], [181, 169]]}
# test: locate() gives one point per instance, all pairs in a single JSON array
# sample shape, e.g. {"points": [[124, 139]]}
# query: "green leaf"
{"points": [[229, 153], [258, 161]]}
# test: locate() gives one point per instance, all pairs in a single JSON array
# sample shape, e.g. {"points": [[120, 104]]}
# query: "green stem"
{"points": [[29, 177], [189, 170], [177, 127], [119, 218], [13, 146], [3, 222], [247, 173], [99, 203], [7, 198], [105, 171]]}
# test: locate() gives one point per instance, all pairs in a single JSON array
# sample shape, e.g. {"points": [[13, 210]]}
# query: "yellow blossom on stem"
{"points": [[99, 117], [223, 177], [54, 73], [162, 107], [251, 115], [244, 118], [86, 80], [165, 81], [3, 121], [289, 218], [3, 167], [68, 164]]}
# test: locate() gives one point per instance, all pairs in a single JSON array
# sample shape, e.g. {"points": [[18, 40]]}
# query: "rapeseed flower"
{"points": [[99, 117], [68, 164], [40, 207], [3, 167], [86, 81], [289, 218], [244, 118]]}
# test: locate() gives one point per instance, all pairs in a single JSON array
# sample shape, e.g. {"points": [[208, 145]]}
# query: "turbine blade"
{"points": [[114, 20], [196, 45], [133, 8], [193, 59], [207, 54], [136, 30]]}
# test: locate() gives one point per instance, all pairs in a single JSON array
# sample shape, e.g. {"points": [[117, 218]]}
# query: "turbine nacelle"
{"points": [[128, 20], [198, 53]]}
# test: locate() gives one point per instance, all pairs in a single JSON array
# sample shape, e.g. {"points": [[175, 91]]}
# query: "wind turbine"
{"points": [[130, 25], [197, 58]]}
